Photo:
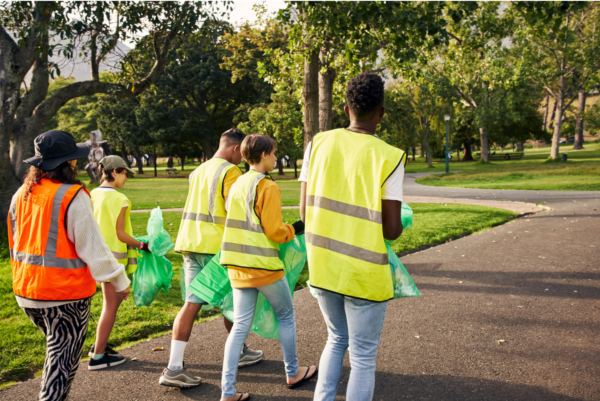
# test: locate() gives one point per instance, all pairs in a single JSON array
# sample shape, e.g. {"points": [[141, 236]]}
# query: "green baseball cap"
{"points": [[114, 161]]}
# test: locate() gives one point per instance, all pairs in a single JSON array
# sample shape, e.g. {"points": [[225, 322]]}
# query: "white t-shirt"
{"points": [[392, 189]]}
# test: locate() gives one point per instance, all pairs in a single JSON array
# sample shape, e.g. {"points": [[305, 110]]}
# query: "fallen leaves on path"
{"points": [[158, 349], [500, 342]]}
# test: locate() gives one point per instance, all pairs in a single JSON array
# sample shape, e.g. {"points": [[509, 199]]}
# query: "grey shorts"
{"points": [[193, 263]]}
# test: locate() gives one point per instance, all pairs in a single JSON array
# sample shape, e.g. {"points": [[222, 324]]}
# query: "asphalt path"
{"points": [[509, 314]]}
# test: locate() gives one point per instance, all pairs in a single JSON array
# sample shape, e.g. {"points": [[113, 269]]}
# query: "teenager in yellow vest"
{"points": [[199, 239], [253, 231], [111, 211], [351, 196]]}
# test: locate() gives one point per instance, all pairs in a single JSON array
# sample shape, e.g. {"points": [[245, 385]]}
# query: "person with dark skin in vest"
{"points": [[351, 197]]}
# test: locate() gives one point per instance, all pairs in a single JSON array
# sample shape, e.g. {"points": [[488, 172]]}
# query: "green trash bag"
{"points": [[155, 271], [212, 283], [213, 286], [404, 286], [406, 216]]}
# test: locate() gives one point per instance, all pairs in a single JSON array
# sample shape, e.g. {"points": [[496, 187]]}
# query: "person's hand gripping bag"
{"points": [[155, 271]]}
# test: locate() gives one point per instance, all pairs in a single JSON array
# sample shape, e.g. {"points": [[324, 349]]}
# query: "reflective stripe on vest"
{"points": [[45, 264], [244, 242], [204, 216], [107, 208], [344, 232]]}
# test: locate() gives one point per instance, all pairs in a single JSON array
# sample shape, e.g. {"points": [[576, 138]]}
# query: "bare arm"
{"points": [[303, 202], [121, 234], [392, 224]]}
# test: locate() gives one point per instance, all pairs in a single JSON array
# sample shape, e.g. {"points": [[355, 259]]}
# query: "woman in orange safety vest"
{"points": [[58, 254]]}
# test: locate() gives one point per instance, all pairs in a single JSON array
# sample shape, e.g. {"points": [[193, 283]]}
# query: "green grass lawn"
{"points": [[570, 176], [22, 346], [533, 172]]}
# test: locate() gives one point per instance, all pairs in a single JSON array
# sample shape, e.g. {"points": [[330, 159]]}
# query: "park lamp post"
{"points": [[447, 118]]}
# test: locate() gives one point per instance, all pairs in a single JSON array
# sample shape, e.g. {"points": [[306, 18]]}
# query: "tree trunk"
{"points": [[413, 153], [458, 153], [311, 97], [468, 156], [579, 121], [295, 168], [155, 162], [520, 146], [280, 166], [139, 162], [182, 161], [422, 151], [546, 112], [426, 143], [485, 147], [170, 162], [326, 81], [557, 122], [208, 150], [553, 114]]}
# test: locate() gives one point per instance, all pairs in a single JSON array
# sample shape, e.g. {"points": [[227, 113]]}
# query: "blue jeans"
{"points": [[355, 324], [244, 305]]}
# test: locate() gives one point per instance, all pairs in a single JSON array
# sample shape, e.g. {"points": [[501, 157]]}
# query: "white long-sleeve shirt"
{"points": [[83, 231]]}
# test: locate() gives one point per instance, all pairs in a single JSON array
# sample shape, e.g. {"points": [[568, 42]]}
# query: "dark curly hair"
{"points": [[364, 94], [64, 173]]}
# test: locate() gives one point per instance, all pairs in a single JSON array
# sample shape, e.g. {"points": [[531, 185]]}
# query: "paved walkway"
{"points": [[509, 314]]}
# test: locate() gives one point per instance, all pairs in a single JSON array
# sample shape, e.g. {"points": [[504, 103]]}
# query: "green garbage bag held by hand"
{"points": [[155, 271], [404, 286], [214, 287]]}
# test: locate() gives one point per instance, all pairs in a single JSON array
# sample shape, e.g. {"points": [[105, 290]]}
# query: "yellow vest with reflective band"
{"points": [[344, 232], [203, 219], [244, 242], [107, 207]]}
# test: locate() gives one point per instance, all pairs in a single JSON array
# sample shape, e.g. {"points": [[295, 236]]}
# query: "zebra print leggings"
{"points": [[65, 327]]}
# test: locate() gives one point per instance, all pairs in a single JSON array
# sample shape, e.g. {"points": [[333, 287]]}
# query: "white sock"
{"points": [[177, 351]]}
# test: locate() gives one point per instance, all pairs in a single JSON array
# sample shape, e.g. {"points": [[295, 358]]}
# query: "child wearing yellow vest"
{"points": [[253, 231], [111, 211]]}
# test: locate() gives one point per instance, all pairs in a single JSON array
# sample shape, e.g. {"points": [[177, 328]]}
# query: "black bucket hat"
{"points": [[55, 147]]}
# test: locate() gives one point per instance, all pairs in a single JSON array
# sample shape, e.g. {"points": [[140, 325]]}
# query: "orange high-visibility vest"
{"points": [[44, 261]]}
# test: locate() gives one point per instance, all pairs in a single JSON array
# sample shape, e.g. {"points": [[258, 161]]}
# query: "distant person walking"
{"points": [[58, 254], [199, 239], [111, 211], [253, 231], [351, 196]]}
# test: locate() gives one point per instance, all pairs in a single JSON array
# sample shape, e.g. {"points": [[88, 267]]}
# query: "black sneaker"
{"points": [[107, 350], [107, 361]]}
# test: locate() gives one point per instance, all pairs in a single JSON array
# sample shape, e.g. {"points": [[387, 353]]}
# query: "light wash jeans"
{"points": [[193, 263], [244, 305], [355, 324]]}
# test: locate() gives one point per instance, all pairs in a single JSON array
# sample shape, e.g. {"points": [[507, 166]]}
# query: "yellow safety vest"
{"points": [[244, 242], [344, 232], [107, 207], [203, 219]]}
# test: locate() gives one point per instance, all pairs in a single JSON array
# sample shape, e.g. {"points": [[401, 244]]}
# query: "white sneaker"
{"points": [[182, 378], [250, 357]]}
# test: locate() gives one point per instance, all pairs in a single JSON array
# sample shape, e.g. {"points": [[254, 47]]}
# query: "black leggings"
{"points": [[65, 328]]}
